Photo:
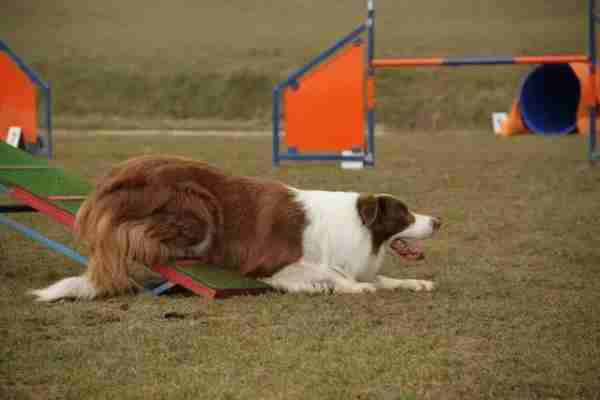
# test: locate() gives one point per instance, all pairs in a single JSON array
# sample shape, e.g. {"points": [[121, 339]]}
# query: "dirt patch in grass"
{"points": [[515, 315]]}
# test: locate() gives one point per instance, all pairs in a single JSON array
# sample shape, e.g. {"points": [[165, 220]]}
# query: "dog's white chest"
{"points": [[335, 235]]}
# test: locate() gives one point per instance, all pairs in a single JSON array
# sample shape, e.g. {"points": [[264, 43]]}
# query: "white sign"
{"points": [[14, 136], [498, 120], [352, 164]]}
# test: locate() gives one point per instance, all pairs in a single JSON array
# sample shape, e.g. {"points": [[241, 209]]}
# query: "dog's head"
{"points": [[392, 225]]}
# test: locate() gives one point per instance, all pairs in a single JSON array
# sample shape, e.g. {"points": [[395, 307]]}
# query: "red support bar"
{"points": [[42, 205], [174, 276]]}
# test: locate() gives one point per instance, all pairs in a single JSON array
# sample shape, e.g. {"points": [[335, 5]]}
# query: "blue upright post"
{"points": [[370, 160], [276, 121], [50, 139], [593, 110]]}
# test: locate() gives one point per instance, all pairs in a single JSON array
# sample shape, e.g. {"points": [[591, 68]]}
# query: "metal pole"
{"points": [[50, 139], [371, 76], [593, 107], [276, 122]]}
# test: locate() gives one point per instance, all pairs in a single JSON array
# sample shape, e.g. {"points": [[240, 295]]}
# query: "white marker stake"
{"points": [[498, 120], [352, 164], [14, 136]]}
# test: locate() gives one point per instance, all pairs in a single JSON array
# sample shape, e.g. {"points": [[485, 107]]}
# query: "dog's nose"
{"points": [[437, 224]]}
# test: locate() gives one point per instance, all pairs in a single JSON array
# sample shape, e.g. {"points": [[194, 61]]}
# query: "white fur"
{"points": [[337, 249], [76, 287]]}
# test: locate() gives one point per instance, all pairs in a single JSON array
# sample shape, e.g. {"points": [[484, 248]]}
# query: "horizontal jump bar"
{"points": [[319, 157], [454, 62]]}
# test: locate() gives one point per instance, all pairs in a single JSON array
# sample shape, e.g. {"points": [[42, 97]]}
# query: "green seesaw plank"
{"points": [[45, 182], [19, 168], [71, 206], [219, 278], [12, 156]]}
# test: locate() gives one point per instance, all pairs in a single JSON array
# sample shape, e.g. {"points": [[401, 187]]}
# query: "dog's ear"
{"points": [[368, 208]]}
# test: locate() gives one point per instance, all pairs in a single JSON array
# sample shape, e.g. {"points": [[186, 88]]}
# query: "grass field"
{"points": [[515, 316], [186, 60]]}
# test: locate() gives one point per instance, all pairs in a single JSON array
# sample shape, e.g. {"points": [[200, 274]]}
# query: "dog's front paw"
{"points": [[357, 287], [426, 286]]}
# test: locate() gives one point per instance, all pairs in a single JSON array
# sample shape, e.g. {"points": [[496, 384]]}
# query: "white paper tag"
{"points": [[14, 136], [351, 164], [497, 121]]}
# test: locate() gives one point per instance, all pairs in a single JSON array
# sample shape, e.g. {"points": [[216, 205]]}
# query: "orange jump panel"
{"points": [[327, 111], [589, 94], [18, 101]]}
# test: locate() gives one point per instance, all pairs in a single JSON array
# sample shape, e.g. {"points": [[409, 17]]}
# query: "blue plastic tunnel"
{"points": [[549, 99]]}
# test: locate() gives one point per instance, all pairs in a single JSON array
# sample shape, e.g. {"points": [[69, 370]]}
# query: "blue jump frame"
{"points": [[46, 147], [367, 156], [371, 65]]}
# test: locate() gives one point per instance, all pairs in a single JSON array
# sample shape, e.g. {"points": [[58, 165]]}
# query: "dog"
{"points": [[152, 209]]}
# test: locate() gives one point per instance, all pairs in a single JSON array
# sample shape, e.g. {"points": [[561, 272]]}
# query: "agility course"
{"points": [[515, 315], [325, 111]]}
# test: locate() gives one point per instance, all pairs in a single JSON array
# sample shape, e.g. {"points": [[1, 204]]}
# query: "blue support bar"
{"points": [[371, 27], [370, 156], [24, 67], [162, 288], [460, 61], [276, 120], [320, 157], [370, 152], [50, 143], [593, 111], [37, 237], [322, 57]]}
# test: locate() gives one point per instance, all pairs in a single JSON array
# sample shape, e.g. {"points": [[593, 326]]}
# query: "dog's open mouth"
{"points": [[409, 250]]}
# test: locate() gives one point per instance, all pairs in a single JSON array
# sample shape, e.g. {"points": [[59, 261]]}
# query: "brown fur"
{"points": [[152, 208]]}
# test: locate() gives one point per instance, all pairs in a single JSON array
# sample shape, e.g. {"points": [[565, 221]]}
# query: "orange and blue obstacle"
{"points": [[328, 106]]}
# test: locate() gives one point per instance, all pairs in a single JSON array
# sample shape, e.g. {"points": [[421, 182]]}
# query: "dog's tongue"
{"points": [[411, 251]]}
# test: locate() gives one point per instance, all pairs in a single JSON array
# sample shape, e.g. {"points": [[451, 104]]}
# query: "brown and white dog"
{"points": [[152, 209]]}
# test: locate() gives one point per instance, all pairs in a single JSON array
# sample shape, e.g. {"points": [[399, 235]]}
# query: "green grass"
{"points": [[197, 61], [515, 315]]}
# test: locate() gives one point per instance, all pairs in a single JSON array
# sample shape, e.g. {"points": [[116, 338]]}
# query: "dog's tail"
{"points": [[76, 287]]}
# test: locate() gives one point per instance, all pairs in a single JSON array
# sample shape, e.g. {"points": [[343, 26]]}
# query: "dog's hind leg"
{"points": [[305, 277]]}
